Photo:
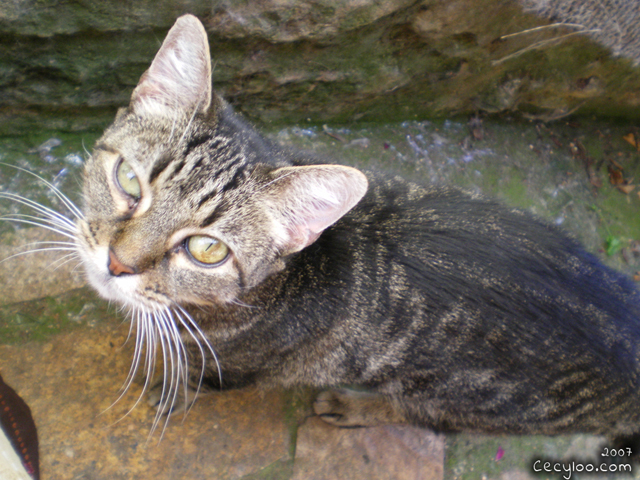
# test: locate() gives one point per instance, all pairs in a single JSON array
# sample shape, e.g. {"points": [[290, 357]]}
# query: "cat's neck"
{"points": [[308, 277]]}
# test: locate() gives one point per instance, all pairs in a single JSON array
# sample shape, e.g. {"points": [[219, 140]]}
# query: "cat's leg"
{"points": [[170, 400], [350, 408]]}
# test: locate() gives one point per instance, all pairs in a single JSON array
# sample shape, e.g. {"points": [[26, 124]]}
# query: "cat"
{"points": [[613, 23], [250, 263]]}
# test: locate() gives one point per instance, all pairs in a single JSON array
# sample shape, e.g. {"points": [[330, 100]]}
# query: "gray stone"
{"points": [[71, 384], [69, 65], [390, 452], [34, 275]]}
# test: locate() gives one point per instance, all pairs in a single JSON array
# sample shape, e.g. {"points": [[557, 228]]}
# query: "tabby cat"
{"points": [[445, 309]]}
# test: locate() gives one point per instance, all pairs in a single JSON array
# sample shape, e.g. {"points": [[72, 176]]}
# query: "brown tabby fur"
{"points": [[451, 310]]}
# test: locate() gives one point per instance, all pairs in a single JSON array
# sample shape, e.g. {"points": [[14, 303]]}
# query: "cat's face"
{"points": [[179, 208], [180, 234]]}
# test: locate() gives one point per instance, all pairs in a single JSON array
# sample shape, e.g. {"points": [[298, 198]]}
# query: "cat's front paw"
{"points": [[349, 408], [169, 402]]}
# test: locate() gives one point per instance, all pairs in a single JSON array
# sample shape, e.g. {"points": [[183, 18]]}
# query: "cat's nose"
{"points": [[117, 268]]}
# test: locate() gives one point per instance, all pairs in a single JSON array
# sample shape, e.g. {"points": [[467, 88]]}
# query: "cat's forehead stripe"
{"points": [[208, 196], [160, 166], [233, 183], [213, 216], [176, 170], [198, 140], [217, 190], [221, 179], [166, 160]]}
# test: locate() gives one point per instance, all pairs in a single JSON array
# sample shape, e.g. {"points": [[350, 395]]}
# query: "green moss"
{"points": [[38, 320], [619, 213], [383, 71], [470, 457], [280, 470], [297, 407], [514, 190]]}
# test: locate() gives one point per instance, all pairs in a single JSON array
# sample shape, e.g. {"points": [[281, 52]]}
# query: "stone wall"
{"points": [[69, 65]]}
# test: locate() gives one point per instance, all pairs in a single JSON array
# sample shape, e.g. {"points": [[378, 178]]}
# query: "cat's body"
{"points": [[471, 324], [452, 310]]}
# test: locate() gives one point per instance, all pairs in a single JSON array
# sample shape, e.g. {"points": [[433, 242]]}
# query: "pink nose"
{"points": [[116, 268]]}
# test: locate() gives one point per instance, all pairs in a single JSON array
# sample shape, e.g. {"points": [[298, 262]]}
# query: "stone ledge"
{"points": [[327, 61]]}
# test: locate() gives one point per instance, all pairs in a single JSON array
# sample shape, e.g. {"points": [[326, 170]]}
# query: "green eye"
{"points": [[127, 179], [207, 250]]}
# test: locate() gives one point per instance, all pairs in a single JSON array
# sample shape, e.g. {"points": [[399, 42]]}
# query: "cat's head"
{"points": [[184, 203]]}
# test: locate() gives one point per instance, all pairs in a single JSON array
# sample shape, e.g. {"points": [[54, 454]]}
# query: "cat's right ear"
{"points": [[179, 79], [306, 200]]}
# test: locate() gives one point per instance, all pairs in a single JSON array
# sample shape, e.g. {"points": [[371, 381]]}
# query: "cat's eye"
{"points": [[207, 250], [127, 180]]}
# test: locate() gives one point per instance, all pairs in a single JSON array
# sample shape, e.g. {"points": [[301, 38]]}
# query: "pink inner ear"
{"points": [[314, 198], [300, 237], [149, 90], [319, 215], [307, 222]]}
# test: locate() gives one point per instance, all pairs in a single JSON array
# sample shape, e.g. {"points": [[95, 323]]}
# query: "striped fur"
{"points": [[454, 311]]}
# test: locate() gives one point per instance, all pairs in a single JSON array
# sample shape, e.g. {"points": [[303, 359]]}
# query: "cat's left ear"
{"points": [[179, 79], [304, 201]]}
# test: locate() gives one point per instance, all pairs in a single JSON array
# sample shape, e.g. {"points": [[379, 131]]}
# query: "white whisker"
{"points": [[37, 224], [17, 217], [67, 258], [273, 181], [186, 366], [36, 250], [159, 335], [235, 301], [85, 150], [173, 129], [152, 346], [69, 204], [49, 242], [80, 264], [171, 368], [199, 339], [137, 323], [145, 341], [46, 211], [182, 370], [135, 364]]}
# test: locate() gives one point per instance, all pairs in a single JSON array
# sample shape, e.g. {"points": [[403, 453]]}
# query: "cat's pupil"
{"points": [[207, 250], [127, 180]]}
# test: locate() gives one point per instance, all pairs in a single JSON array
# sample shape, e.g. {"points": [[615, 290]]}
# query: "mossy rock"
{"points": [[69, 66]]}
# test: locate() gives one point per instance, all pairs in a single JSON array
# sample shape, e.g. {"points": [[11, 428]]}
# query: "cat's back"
{"points": [[448, 234], [484, 307]]}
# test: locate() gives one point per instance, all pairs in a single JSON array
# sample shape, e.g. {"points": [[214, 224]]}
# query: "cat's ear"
{"points": [[179, 79], [304, 201]]}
